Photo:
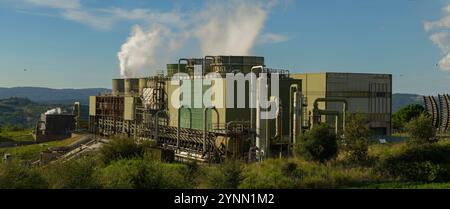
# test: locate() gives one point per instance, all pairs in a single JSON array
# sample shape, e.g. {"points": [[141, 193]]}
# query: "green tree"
{"points": [[406, 114], [421, 130], [318, 144], [356, 134]]}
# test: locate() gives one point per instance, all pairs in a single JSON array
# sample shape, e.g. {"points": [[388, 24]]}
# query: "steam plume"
{"points": [[230, 28]]}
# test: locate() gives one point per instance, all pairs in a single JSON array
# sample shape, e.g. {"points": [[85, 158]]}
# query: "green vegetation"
{"points": [[15, 176], [424, 163], [421, 130], [225, 176], [30, 153], [9, 133], [318, 144], [396, 165], [75, 174], [120, 148], [125, 164], [406, 114], [356, 138]]}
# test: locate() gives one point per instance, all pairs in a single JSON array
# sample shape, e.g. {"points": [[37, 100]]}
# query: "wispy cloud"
{"points": [[219, 27], [440, 36], [74, 10], [272, 38], [57, 4]]}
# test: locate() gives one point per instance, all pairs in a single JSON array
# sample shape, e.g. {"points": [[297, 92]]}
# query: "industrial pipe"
{"points": [[251, 93], [205, 127], [157, 122], [336, 114], [278, 119], [316, 109], [204, 62], [179, 63], [178, 122], [297, 116]]}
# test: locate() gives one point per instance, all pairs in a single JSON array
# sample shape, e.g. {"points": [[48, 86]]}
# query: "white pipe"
{"points": [[251, 94]]}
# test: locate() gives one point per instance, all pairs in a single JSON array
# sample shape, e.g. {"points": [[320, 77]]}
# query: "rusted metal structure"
{"points": [[433, 109], [444, 103], [439, 111]]}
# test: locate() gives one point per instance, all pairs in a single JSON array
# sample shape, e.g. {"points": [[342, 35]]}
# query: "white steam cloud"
{"points": [[139, 50], [440, 36], [230, 28]]}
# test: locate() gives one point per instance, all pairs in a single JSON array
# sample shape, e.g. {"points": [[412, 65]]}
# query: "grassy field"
{"points": [[276, 173], [16, 135], [406, 185], [30, 153]]}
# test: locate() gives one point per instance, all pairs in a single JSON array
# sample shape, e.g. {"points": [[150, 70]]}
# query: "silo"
{"points": [[131, 86], [243, 64], [142, 85], [172, 69], [117, 86]]}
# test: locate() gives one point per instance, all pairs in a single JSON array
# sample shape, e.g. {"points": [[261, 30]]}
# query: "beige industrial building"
{"points": [[369, 94]]}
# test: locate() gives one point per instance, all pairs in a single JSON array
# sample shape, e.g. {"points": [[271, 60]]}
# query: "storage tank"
{"points": [[131, 86], [117, 86], [228, 64], [142, 85], [172, 69]]}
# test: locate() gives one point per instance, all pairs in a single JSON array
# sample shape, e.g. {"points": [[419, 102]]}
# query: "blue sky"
{"points": [[74, 43]]}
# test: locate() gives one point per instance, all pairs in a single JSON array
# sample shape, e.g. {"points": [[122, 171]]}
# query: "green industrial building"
{"points": [[170, 109]]}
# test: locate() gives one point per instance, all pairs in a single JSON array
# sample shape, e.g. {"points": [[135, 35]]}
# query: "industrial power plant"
{"points": [[169, 109]]}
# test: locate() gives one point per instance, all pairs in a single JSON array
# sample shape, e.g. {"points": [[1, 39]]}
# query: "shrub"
{"points": [[119, 148], [225, 176], [406, 114], [356, 142], [119, 174], [15, 176], [271, 174], [73, 174], [421, 130], [318, 144], [430, 162], [144, 173], [190, 173]]}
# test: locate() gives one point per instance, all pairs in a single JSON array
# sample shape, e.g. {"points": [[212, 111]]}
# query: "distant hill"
{"points": [[25, 113], [21, 111], [23, 105], [51, 96], [400, 100]]}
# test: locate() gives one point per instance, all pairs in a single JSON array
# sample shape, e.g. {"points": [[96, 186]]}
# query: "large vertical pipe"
{"points": [[204, 62], [142, 85], [179, 63], [251, 94], [179, 78], [205, 123], [156, 123], [296, 113], [179, 123]]}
